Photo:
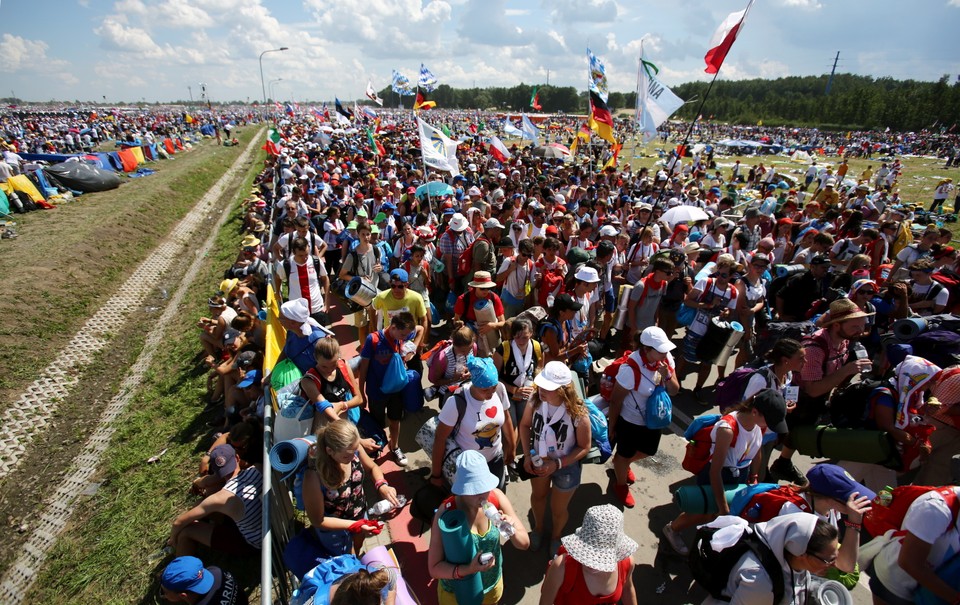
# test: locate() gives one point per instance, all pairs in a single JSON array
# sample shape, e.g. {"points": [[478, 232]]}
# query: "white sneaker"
{"points": [[674, 540], [401, 457]]}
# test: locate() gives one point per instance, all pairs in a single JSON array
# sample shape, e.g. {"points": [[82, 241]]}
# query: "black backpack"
{"points": [[712, 569], [848, 405]]}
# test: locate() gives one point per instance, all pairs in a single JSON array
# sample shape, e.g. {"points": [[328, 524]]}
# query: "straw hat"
{"points": [[482, 279], [600, 542], [843, 309]]}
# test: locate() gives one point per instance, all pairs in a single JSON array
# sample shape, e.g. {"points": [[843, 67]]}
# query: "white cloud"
{"points": [[516, 12], [807, 4], [954, 3], [117, 36], [20, 54], [583, 11]]}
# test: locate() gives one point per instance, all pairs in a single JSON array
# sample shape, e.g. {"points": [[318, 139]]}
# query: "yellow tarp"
{"points": [[138, 153], [22, 183], [276, 335]]}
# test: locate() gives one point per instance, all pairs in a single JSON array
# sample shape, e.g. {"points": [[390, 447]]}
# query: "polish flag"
{"points": [[498, 150], [723, 39]]}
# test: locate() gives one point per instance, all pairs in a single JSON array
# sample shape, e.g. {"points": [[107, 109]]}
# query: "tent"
{"points": [[137, 153], [168, 145], [801, 156], [84, 177], [128, 159], [4, 203]]}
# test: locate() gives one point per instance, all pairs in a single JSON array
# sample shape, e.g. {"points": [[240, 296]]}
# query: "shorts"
{"points": [[882, 592], [491, 597], [568, 478], [609, 301], [726, 476], [689, 346], [226, 538], [632, 439], [336, 543], [385, 406]]}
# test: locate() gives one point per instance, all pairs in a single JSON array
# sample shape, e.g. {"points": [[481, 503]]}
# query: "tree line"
{"points": [[854, 102]]}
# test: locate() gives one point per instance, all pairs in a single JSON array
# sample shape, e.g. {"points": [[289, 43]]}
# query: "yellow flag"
{"points": [[188, 119]]}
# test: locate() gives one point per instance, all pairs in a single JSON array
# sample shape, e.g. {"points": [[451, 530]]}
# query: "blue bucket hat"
{"points": [[483, 373], [473, 477]]}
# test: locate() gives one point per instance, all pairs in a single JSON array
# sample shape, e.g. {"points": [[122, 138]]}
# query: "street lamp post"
{"points": [[270, 87], [262, 85]]}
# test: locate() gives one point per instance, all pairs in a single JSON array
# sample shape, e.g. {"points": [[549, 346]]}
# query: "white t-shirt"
{"points": [[304, 282], [480, 427], [729, 296], [713, 241], [554, 431], [846, 249], [744, 449], [929, 518], [920, 293], [329, 236], [634, 408], [760, 381], [516, 282]]}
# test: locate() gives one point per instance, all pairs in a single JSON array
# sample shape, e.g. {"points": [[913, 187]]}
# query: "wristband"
{"points": [[380, 484], [456, 572], [852, 525], [322, 405]]}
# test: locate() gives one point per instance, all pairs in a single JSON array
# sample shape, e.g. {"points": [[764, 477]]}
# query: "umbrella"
{"points": [[434, 188], [554, 151], [684, 214]]}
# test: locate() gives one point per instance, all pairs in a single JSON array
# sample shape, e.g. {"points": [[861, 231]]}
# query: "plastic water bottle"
{"points": [[535, 459], [885, 496], [385, 506], [506, 528]]}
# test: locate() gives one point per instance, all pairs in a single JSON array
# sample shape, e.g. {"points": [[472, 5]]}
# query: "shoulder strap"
{"points": [[637, 374], [769, 562], [537, 350], [286, 267], [461, 400], [506, 351], [316, 265], [342, 365]]}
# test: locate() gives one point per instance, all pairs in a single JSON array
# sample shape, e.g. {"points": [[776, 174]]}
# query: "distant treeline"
{"points": [[854, 102]]}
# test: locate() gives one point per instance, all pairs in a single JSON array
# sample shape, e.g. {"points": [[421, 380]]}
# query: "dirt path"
{"points": [[36, 407]]}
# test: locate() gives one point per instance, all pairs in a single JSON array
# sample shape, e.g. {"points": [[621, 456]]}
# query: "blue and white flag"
{"points": [[598, 76], [510, 129], [428, 81], [655, 102], [529, 131], [439, 151], [400, 84]]}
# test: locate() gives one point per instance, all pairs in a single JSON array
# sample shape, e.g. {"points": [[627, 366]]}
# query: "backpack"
{"points": [[465, 260], [729, 391], [316, 265], [765, 500], [778, 330], [551, 283], [609, 378], [880, 518], [697, 455], [951, 281], [712, 569], [507, 351], [600, 448], [849, 405], [940, 347]]}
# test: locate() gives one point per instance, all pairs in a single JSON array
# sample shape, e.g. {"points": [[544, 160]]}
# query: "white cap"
{"points": [[656, 338], [493, 223], [554, 375], [587, 274], [472, 167], [608, 231], [474, 191]]}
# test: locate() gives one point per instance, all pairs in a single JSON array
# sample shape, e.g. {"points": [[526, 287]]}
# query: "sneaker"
{"points": [[401, 457], [631, 478], [701, 398], [536, 540], [674, 540], [623, 494], [784, 470]]}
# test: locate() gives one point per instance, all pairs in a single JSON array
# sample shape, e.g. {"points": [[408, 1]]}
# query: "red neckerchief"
{"points": [[646, 364]]}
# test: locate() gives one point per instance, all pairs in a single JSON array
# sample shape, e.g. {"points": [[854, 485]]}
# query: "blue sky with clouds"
{"points": [[155, 49]]}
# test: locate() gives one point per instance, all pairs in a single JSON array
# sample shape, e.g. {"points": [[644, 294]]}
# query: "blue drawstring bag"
{"points": [[451, 302], [413, 393], [659, 409], [396, 376], [686, 315]]}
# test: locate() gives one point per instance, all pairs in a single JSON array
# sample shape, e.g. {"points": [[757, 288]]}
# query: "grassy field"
{"points": [[68, 261], [109, 553]]}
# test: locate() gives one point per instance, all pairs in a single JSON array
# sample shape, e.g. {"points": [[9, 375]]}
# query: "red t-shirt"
{"points": [[574, 590]]}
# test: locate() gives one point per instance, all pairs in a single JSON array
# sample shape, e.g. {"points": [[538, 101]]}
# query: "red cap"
{"points": [[552, 230]]}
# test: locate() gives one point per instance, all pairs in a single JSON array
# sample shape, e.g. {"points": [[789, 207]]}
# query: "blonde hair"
{"points": [[338, 436], [568, 393], [726, 260], [328, 348]]}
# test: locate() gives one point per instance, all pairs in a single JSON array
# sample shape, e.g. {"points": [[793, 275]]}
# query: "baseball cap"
{"points": [[248, 379], [565, 302], [819, 259], [187, 574], [400, 275], [656, 338], [493, 223], [773, 406], [223, 461], [834, 482], [608, 231], [555, 374]]}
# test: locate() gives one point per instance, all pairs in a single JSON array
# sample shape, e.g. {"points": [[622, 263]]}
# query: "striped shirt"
{"points": [[246, 486]]}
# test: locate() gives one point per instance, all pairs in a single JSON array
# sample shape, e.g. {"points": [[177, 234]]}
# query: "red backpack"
{"points": [[550, 283], [465, 261], [609, 378], [766, 505], [697, 455], [882, 518]]}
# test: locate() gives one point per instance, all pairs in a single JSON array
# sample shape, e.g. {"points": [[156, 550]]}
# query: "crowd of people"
{"points": [[538, 304]]}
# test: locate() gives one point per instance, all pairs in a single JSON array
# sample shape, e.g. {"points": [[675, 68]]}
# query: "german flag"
{"points": [[423, 103], [601, 121]]}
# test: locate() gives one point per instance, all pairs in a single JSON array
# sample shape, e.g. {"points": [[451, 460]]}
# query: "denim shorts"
{"points": [[567, 478]]}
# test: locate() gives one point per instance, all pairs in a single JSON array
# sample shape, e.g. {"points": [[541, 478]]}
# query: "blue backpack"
{"points": [[599, 437]]}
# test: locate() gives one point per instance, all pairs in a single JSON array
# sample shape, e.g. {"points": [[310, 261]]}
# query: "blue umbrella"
{"points": [[434, 189]]}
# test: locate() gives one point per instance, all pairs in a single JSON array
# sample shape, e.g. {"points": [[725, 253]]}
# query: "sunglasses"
{"points": [[723, 275], [398, 285], [867, 293], [829, 561]]}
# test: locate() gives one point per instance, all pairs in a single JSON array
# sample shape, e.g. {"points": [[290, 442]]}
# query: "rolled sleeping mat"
{"points": [[381, 556], [853, 445], [909, 328], [621, 318], [699, 500], [732, 341], [785, 270], [713, 341], [484, 311], [458, 548], [288, 456]]}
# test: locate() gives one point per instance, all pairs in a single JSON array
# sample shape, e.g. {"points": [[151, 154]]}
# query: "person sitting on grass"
{"points": [[236, 507], [186, 580], [245, 438]]}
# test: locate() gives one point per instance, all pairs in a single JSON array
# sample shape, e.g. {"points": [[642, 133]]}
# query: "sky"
{"points": [[165, 50]]}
